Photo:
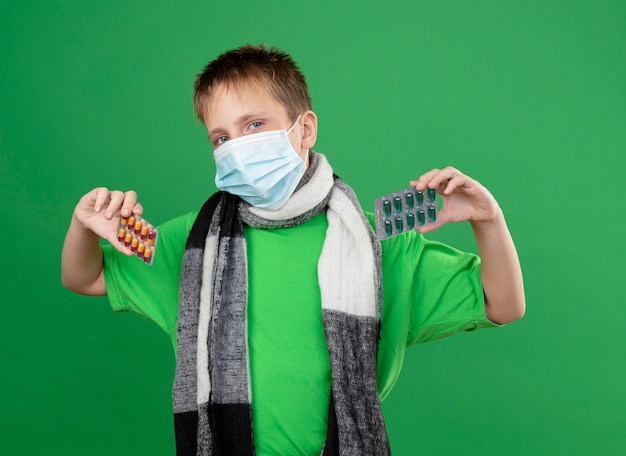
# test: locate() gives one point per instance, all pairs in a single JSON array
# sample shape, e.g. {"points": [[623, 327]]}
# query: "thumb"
{"points": [[434, 220]]}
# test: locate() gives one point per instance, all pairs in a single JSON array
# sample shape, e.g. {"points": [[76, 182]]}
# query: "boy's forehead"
{"points": [[245, 94], [236, 98]]}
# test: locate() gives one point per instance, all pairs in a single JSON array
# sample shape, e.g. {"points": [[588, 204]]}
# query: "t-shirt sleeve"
{"points": [[447, 294], [150, 291]]}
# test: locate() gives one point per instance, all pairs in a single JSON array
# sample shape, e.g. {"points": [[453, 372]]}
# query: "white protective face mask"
{"points": [[262, 168]]}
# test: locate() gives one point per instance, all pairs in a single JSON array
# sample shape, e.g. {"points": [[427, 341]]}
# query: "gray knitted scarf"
{"points": [[211, 393]]}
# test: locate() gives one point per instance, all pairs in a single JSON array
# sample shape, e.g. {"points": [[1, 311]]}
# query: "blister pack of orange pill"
{"points": [[135, 232]]}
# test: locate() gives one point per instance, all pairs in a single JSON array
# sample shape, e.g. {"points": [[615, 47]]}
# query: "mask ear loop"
{"points": [[306, 157], [294, 124]]}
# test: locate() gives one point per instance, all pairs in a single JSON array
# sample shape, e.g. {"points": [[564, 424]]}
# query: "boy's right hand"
{"points": [[99, 210]]}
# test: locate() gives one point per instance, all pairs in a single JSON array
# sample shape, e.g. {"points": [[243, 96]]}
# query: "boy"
{"points": [[272, 293]]}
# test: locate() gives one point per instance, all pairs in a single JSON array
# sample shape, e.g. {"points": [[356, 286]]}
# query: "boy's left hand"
{"points": [[464, 199]]}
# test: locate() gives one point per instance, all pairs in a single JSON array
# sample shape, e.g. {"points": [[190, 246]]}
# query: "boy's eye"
{"points": [[220, 140], [255, 125]]}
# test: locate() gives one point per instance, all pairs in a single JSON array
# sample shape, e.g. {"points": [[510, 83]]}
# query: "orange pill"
{"points": [[121, 235], [131, 220], [128, 239], [124, 221], [134, 244], [151, 237], [140, 249], [147, 255], [137, 227], [144, 231]]}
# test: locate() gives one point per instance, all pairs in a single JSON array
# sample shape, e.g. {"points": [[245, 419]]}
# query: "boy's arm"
{"points": [[500, 271], [94, 217], [464, 199]]}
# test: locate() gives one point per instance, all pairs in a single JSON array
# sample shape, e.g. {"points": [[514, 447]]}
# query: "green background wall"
{"points": [[527, 97]]}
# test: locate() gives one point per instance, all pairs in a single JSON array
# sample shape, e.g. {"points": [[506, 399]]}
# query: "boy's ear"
{"points": [[309, 129]]}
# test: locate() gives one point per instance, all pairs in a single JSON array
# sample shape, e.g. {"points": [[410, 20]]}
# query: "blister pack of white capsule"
{"points": [[403, 211], [135, 232]]}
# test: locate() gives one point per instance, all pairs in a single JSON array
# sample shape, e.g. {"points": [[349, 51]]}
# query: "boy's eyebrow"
{"points": [[242, 119]]}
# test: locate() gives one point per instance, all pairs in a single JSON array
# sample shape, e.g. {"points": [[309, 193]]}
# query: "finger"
{"points": [[430, 227], [422, 182], [435, 178], [442, 178], [439, 218], [101, 198], [138, 209], [130, 204], [115, 203], [460, 180]]}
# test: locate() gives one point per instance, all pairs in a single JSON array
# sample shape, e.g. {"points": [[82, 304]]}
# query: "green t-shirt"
{"points": [[430, 291]]}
